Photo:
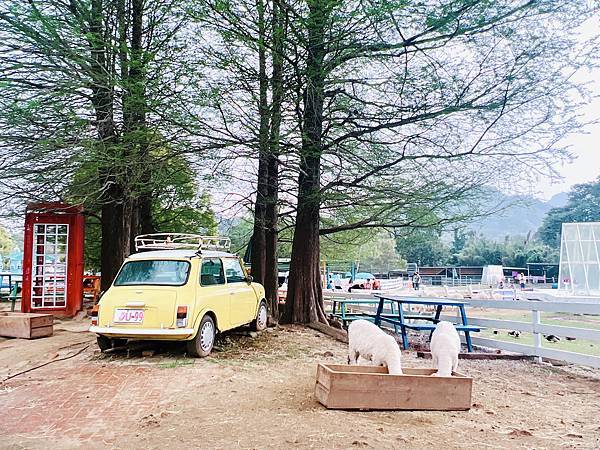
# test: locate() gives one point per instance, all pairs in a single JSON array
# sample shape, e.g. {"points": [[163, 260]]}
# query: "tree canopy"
{"points": [[429, 248], [6, 242], [583, 206], [324, 118]]}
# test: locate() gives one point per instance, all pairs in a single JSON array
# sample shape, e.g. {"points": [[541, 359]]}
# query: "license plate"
{"points": [[129, 316]]}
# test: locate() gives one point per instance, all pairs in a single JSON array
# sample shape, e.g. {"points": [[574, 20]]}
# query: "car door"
{"points": [[243, 298], [213, 293]]}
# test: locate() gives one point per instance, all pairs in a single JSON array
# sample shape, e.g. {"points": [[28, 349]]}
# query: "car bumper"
{"points": [[159, 333]]}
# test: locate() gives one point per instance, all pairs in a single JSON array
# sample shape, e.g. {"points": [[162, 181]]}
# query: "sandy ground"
{"points": [[258, 392]]}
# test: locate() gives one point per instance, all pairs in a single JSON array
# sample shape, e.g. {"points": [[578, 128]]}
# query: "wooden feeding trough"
{"points": [[26, 325], [370, 387]]}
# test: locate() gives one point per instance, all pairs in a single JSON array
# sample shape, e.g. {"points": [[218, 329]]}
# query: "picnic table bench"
{"points": [[400, 319]]}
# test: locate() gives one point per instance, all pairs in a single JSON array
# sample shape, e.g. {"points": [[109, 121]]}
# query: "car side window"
{"points": [[211, 272], [233, 270]]}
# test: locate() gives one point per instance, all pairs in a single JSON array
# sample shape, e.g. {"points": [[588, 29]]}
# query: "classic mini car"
{"points": [[178, 287]]}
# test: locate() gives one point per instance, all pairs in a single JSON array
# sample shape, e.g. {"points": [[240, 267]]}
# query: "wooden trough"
{"points": [[26, 325], [370, 387]]}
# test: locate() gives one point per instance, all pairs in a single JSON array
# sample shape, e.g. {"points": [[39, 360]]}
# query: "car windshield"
{"points": [[169, 273]]}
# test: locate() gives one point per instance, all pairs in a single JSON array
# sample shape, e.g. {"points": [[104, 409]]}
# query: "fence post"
{"points": [[537, 337]]}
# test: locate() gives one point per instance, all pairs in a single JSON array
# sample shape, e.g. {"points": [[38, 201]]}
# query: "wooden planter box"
{"points": [[26, 325], [370, 387]]}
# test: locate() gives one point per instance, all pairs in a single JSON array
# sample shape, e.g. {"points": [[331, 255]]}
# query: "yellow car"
{"points": [[186, 288]]}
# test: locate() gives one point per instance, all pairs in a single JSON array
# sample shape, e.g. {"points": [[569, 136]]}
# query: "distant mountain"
{"points": [[524, 216], [558, 200]]}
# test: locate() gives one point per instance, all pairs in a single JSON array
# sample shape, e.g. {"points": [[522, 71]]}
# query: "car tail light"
{"points": [[182, 316], [94, 315]]}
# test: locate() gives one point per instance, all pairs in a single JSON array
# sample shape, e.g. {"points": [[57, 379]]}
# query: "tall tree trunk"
{"points": [[137, 70], [122, 32], [258, 263], [305, 295], [131, 209], [271, 282], [102, 92], [135, 224], [146, 224], [271, 211], [115, 239], [258, 255], [141, 217], [115, 220], [136, 127]]}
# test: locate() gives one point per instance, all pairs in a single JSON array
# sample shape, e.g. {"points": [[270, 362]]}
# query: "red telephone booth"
{"points": [[53, 259]]}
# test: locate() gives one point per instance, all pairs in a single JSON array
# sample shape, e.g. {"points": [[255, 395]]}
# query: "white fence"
{"points": [[535, 326], [429, 280]]}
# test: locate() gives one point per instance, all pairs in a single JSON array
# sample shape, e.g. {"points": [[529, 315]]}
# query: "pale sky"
{"points": [[584, 145], [585, 168]]}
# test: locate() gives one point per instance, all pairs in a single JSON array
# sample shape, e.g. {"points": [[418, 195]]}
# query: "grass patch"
{"points": [[177, 363], [548, 318], [578, 346], [582, 346]]}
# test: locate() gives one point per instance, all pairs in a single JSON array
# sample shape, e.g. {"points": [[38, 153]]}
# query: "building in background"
{"points": [[579, 269]]}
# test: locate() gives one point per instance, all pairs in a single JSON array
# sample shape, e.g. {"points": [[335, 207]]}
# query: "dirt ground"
{"points": [[258, 392]]}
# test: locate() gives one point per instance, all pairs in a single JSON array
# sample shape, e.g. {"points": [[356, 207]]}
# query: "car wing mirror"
{"points": [[249, 278]]}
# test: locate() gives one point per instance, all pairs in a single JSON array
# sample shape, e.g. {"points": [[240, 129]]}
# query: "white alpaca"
{"points": [[369, 342], [445, 347]]}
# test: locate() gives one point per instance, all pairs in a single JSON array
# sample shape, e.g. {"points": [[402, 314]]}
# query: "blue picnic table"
{"points": [[12, 287], [340, 308], [403, 316], [8, 280], [341, 311]]}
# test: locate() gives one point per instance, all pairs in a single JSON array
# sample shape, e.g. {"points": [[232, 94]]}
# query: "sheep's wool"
{"points": [[369, 342], [445, 347]]}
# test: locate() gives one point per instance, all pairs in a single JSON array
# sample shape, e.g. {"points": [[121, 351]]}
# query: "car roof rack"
{"points": [[181, 241]]}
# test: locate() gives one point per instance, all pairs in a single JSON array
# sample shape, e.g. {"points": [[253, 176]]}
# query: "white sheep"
{"points": [[445, 347], [369, 342]]}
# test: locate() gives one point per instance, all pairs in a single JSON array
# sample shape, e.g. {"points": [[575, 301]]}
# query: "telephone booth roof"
{"points": [[54, 208]]}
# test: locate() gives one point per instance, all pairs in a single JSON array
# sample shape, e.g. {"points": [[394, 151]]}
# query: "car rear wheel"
{"points": [[106, 343], [204, 340], [260, 323]]}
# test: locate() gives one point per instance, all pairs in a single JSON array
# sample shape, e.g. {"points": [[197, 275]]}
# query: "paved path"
{"points": [[88, 403], [259, 393]]}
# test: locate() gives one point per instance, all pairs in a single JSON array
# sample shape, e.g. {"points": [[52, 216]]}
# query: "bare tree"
{"points": [[249, 39], [408, 110]]}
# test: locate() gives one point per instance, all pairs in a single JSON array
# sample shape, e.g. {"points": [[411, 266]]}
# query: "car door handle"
{"points": [[231, 292]]}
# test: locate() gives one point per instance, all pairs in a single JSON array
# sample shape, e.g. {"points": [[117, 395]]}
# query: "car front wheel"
{"points": [[260, 323], [203, 343]]}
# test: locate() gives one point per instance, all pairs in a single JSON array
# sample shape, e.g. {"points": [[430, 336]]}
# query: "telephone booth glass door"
{"points": [[50, 260]]}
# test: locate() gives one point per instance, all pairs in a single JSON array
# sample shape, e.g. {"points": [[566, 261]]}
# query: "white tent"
{"points": [[492, 275], [579, 270]]}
